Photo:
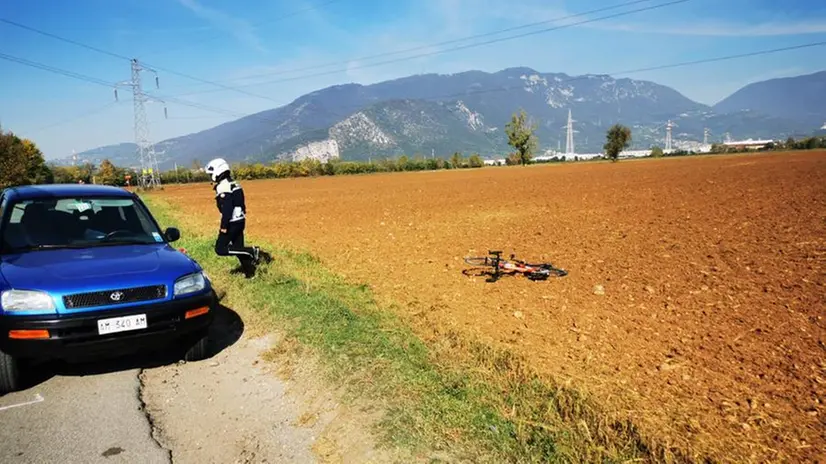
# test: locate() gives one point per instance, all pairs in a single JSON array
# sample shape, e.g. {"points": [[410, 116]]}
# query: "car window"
{"points": [[77, 222], [16, 214]]}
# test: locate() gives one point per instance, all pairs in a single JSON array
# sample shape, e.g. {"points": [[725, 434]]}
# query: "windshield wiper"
{"points": [[120, 242], [37, 247]]}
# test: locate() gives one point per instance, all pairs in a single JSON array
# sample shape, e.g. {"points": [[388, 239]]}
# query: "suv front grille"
{"points": [[110, 297]]}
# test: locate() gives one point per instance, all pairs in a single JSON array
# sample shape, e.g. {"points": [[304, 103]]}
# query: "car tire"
{"points": [[198, 351], [9, 374]]}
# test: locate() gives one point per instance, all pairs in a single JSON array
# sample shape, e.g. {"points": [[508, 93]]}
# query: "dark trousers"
{"points": [[231, 243]]}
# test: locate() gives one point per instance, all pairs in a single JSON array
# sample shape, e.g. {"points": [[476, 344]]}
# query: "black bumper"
{"points": [[76, 336]]}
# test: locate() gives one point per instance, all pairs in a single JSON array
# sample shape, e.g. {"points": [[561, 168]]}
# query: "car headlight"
{"points": [[26, 300], [190, 284]]}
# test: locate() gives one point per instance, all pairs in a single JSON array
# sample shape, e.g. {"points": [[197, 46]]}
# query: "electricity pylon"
{"points": [[149, 176]]}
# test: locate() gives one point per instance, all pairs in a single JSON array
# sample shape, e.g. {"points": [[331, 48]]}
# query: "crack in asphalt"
{"points": [[153, 429]]}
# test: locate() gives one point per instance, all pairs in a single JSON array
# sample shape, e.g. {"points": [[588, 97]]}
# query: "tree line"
{"points": [[523, 140], [22, 162], [807, 143], [335, 167]]}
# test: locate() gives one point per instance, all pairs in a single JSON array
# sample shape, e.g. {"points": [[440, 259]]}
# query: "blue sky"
{"points": [[225, 41]]}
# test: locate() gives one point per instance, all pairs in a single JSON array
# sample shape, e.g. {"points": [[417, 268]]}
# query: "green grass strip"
{"points": [[483, 406]]}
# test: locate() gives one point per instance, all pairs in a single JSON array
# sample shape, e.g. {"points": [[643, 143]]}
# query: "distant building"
{"points": [[748, 144], [634, 153]]}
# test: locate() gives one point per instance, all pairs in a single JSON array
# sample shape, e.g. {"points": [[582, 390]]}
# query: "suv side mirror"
{"points": [[172, 234]]}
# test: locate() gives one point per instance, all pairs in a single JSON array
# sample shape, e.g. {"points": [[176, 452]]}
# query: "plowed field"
{"points": [[711, 328]]}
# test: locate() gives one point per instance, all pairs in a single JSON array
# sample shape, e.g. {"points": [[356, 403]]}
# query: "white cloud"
{"points": [[241, 29]]}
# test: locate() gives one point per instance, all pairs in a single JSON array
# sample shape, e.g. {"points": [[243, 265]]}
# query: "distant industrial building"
{"points": [[748, 144]]}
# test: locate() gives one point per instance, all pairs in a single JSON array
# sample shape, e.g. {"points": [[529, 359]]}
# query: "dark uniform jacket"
{"points": [[229, 198]]}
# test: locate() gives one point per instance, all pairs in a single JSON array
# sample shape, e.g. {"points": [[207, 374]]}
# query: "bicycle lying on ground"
{"points": [[533, 271]]}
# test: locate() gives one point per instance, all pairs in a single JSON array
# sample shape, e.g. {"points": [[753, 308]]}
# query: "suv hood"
{"points": [[65, 271]]}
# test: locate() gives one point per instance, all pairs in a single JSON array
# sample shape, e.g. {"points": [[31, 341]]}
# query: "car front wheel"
{"points": [[9, 374], [198, 351]]}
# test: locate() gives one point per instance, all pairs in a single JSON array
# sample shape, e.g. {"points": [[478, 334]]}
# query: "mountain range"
{"points": [[467, 112]]}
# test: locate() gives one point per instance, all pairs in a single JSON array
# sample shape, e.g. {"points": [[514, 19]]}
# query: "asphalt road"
{"points": [[78, 418], [229, 408], [91, 412]]}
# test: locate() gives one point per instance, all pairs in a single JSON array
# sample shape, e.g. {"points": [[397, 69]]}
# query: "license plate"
{"points": [[121, 324]]}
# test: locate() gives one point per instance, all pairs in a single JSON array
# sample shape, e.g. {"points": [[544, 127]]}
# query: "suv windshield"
{"points": [[76, 223]]}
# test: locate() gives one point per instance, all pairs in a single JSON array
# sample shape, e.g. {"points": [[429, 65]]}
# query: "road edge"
{"points": [[153, 428]]}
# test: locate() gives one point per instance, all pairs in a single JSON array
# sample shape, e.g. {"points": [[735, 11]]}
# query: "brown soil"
{"points": [[710, 332]]}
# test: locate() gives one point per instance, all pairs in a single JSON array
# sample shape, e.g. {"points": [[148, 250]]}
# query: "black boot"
{"points": [[248, 267]]}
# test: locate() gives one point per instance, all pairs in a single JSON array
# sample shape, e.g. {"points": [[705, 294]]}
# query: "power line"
{"points": [[213, 109], [179, 101], [63, 39], [83, 115], [447, 50], [726, 58], [239, 89], [269, 21], [205, 81], [45, 67], [192, 117], [440, 44], [125, 58], [461, 94], [97, 81], [572, 79]]}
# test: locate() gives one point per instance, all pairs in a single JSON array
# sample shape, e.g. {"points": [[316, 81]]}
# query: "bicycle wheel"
{"points": [[550, 270], [556, 272], [479, 261]]}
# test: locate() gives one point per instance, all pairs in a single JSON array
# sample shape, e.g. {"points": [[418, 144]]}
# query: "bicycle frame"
{"points": [[502, 266]]}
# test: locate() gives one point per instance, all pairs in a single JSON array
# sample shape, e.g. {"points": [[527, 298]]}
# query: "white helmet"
{"points": [[217, 167]]}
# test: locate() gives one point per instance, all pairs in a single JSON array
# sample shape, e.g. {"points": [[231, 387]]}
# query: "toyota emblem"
{"points": [[116, 296]]}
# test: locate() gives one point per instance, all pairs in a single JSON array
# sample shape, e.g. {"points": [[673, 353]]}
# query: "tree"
{"points": [[12, 160], [456, 160], [21, 162], [37, 171], [403, 163], [618, 138], [521, 137], [85, 172], [107, 173], [475, 161], [656, 152]]}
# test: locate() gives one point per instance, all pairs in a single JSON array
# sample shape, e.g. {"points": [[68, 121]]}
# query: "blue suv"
{"points": [[85, 271]]}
